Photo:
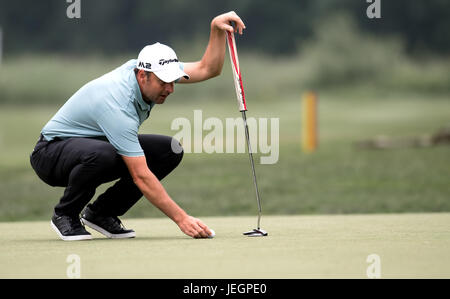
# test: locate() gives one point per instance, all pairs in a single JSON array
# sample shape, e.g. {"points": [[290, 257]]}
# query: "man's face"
{"points": [[153, 89]]}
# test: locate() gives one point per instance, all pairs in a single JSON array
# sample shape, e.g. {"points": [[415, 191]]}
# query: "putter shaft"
{"points": [[249, 147]]}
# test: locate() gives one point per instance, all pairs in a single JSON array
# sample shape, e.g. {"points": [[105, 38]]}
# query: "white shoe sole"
{"points": [[70, 238], [106, 233]]}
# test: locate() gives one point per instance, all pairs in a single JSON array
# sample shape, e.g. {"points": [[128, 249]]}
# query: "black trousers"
{"points": [[83, 164]]}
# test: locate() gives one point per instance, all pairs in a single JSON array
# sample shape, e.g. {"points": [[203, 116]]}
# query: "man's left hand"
{"points": [[223, 22]]}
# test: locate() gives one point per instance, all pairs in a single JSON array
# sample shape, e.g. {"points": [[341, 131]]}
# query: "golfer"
{"points": [[94, 139]]}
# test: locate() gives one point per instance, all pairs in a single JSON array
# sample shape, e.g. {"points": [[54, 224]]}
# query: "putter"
{"points": [[257, 232]]}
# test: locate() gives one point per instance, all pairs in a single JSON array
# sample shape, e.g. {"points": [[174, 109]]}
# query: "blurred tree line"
{"points": [[274, 27]]}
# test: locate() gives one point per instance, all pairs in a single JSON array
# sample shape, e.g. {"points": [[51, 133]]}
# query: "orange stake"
{"points": [[309, 122]]}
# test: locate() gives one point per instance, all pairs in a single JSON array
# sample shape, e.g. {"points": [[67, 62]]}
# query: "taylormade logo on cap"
{"points": [[162, 61]]}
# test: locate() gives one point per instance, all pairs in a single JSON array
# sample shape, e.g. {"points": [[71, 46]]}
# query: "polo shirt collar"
{"points": [[138, 96]]}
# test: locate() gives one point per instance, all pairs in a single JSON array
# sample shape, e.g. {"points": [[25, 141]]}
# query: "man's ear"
{"points": [[145, 75], [141, 76]]}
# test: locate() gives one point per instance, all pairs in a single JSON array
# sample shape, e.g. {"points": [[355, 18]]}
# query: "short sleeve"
{"points": [[121, 130], [181, 64]]}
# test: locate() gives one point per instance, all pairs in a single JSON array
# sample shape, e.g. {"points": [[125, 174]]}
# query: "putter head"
{"points": [[257, 232]]}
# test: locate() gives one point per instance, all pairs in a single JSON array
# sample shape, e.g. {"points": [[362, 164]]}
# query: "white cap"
{"points": [[162, 61]]}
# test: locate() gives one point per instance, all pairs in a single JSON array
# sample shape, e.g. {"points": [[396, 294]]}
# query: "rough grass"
{"points": [[338, 178]]}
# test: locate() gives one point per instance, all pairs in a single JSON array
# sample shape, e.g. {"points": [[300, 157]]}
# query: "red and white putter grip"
{"points": [[236, 71]]}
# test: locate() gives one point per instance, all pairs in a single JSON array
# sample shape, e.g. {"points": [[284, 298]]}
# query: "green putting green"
{"points": [[324, 246]]}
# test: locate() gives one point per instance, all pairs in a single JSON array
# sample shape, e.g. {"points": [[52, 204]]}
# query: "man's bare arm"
{"points": [[152, 189]]}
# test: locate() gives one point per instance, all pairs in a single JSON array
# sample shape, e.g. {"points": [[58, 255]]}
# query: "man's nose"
{"points": [[169, 87]]}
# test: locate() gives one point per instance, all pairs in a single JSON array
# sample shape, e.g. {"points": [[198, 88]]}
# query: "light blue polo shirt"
{"points": [[110, 106]]}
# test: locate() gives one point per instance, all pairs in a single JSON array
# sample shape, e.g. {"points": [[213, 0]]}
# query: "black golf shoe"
{"points": [[110, 226], [69, 228]]}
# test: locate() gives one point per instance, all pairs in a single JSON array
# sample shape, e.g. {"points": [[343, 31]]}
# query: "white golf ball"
{"points": [[213, 234]]}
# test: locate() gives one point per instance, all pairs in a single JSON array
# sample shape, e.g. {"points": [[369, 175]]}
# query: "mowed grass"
{"points": [[320, 246], [337, 178]]}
